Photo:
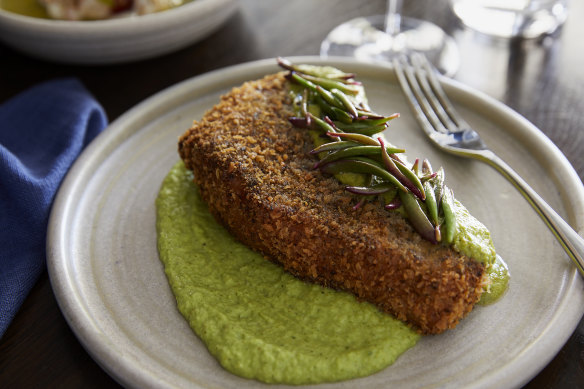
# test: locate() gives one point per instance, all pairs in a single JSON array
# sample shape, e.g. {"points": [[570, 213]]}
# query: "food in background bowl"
{"points": [[102, 9], [86, 9]]}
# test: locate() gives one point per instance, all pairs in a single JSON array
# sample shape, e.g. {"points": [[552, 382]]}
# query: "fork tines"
{"points": [[424, 93]]}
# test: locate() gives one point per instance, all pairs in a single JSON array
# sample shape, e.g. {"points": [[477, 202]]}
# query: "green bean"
{"points": [[305, 83], [392, 167], [369, 114], [417, 217], [449, 226], [374, 159], [378, 189], [341, 115], [431, 204], [329, 98], [347, 78], [361, 165], [381, 120], [438, 184], [324, 126], [332, 146], [313, 71], [413, 178], [369, 130], [331, 84], [324, 106], [359, 138], [346, 102], [352, 152], [361, 128], [370, 160]]}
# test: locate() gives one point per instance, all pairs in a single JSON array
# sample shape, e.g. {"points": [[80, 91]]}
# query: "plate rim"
{"points": [[114, 134]]}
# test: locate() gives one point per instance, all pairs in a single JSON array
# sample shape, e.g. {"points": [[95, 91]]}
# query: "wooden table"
{"points": [[543, 80]]}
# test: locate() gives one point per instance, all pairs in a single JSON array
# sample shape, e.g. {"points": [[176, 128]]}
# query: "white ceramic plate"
{"points": [[114, 40], [111, 286]]}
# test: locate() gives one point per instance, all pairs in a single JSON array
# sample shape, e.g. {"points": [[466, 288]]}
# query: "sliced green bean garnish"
{"points": [[331, 84], [438, 184], [305, 83], [368, 114], [333, 103], [413, 178], [332, 146], [392, 167], [362, 129], [417, 217], [346, 102], [376, 122], [359, 138], [353, 152], [371, 190], [323, 105], [449, 226], [312, 70], [431, 204], [329, 97], [359, 165], [342, 116], [324, 126]]}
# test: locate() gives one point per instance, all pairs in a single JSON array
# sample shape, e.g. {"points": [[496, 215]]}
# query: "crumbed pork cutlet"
{"points": [[256, 174]]}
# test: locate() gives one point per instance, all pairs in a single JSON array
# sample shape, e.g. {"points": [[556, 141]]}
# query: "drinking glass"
{"points": [[382, 37], [512, 18]]}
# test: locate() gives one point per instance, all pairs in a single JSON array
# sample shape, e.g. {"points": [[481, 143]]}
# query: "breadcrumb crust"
{"points": [[255, 172]]}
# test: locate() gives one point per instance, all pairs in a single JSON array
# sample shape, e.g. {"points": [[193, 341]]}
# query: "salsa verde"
{"points": [[256, 319]]}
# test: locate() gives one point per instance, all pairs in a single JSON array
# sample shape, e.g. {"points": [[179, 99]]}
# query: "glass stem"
{"points": [[393, 17]]}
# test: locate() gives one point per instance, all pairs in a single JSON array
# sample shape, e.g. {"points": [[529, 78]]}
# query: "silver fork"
{"points": [[446, 128]]}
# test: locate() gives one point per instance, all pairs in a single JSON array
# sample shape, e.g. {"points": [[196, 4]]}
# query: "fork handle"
{"points": [[572, 243]]}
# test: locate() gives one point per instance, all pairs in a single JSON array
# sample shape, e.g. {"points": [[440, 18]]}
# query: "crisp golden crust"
{"points": [[255, 172]]}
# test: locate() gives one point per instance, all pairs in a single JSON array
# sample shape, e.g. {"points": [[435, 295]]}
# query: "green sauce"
{"points": [[473, 239], [499, 275], [257, 320]]}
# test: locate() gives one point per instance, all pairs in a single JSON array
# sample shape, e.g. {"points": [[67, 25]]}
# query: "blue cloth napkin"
{"points": [[42, 131]]}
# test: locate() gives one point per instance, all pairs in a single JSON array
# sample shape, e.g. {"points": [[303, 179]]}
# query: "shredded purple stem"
{"points": [[302, 122], [359, 204]]}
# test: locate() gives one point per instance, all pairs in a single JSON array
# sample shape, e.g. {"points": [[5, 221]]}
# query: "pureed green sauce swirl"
{"points": [[257, 320]]}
